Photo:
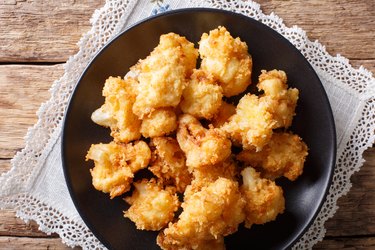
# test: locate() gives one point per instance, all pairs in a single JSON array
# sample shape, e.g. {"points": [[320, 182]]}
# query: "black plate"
{"points": [[314, 123]]}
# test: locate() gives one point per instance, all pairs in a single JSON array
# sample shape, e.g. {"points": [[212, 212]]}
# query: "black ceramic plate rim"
{"points": [[184, 10]]}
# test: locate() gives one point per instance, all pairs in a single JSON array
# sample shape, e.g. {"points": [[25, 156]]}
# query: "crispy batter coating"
{"points": [[284, 155], [162, 75], [226, 110], [202, 96], [159, 122], [152, 207], [227, 59], [168, 163], [215, 244], [264, 199], [116, 112], [252, 124], [115, 165], [201, 146], [282, 101], [215, 211], [205, 175]]}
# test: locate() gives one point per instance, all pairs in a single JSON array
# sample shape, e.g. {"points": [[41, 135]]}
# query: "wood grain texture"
{"points": [[367, 243], [47, 31], [356, 213], [10, 225], [22, 90], [344, 27], [43, 31], [17, 243]]}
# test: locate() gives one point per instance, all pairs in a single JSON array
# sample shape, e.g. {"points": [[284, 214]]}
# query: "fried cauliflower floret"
{"points": [[282, 100], [227, 59], [115, 165], [116, 112], [201, 146], [159, 122], [205, 175], [264, 199], [152, 207], [168, 163], [162, 75], [226, 110], [252, 124], [215, 244], [284, 155], [209, 214], [202, 96]]}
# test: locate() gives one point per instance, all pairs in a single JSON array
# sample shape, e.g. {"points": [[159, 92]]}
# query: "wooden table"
{"points": [[38, 36]]}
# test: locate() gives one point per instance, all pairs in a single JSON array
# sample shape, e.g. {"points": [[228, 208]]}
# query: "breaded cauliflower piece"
{"points": [[116, 112], [115, 165], [202, 96], [226, 110], [215, 211], [252, 124], [227, 59], [282, 101], [264, 199], [159, 122], [284, 155], [152, 207], [163, 74], [205, 175], [168, 163], [201, 146], [215, 244]]}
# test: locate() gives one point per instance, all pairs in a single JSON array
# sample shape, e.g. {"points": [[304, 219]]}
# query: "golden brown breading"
{"points": [[226, 110], [227, 59], [284, 155], [115, 165], [159, 122], [202, 96], [168, 163], [204, 175], [201, 146], [264, 199], [252, 124], [215, 211], [152, 207], [116, 112], [282, 101], [162, 75], [215, 244]]}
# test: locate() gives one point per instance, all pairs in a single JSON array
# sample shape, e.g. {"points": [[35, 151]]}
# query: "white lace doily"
{"points": [[35, 186]]}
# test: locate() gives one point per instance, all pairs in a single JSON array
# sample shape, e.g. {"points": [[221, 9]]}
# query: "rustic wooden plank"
{"points": [[47, 31], [368, 64], [10, 225], [347, 244], [4, 165], [356, 215], [16, 243], [344, 27], [43, 31], [22, 89]]}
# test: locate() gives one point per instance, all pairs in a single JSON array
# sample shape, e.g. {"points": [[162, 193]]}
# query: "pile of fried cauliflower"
{"points": [[175, 120]]}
